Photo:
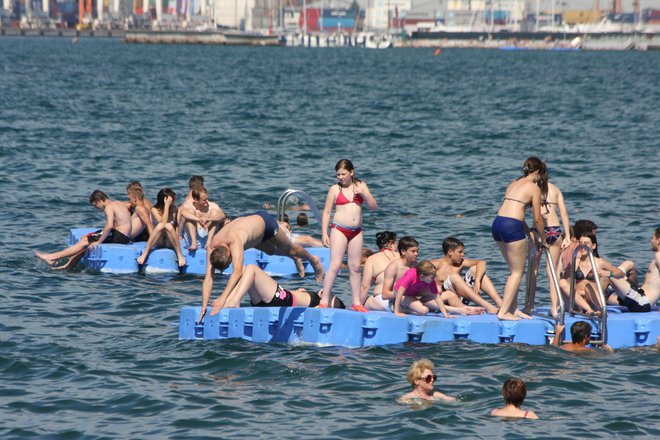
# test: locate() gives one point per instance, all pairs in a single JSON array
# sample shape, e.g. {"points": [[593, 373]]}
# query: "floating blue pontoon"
{"points": [[122, 259], [335, 327]]}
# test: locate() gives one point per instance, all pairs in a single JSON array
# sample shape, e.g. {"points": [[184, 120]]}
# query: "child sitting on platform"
{"points": [[514, 392], [417, 292]]}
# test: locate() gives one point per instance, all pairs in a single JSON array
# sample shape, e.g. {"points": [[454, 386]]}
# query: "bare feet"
{"points": [[474, 310], [491, 310], [44, 257], [193, 247], [318, 269], [300, 267], [519, 314], [71, 263], [504, 316]]}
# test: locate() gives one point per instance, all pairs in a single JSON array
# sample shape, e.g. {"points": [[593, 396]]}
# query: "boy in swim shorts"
{"points": [[470, 286]]}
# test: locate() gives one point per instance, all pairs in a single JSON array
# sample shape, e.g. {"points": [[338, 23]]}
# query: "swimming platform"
{"points": [[122, 259], [345, 328]]}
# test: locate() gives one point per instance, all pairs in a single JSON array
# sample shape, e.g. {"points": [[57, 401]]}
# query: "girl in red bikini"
{"points": [[345, 236]]}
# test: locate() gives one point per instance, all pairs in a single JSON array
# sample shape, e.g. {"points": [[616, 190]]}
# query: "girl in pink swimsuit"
{"points": [[345, 236]]}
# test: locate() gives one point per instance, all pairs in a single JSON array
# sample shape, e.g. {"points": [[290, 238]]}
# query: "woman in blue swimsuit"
{"points": [[510, 231]]}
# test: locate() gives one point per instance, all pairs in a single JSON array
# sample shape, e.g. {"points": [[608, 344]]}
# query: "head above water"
{"points": [[385, 238], [417, 369], [514, 392], [302, 219], [580, 332]]}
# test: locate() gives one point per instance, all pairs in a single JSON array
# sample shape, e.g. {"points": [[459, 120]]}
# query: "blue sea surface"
{"points": [[437, 138]]}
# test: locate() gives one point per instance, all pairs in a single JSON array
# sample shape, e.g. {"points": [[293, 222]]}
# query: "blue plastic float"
{"points": [[335, 327], [121, 259]]}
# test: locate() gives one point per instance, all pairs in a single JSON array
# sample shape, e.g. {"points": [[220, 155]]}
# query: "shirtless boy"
{"points": [[258, 230], [194, 182], [641, 299], [117, 230], [469, 288], [408, 252], [202, 219], [141, 221]]}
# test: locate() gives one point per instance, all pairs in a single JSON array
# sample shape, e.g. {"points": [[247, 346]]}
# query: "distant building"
{"points": [[386, 14]]}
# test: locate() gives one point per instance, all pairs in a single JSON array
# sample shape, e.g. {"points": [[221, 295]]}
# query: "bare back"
{"points": [[652, 280], [247, 231], [518, 196], [378, 263]]}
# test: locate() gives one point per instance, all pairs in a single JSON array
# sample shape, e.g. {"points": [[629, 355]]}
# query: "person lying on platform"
{"points": [[117, 230], [259, 230], [469, 288], [141, 221], [514, 392], [202, 219], [264, 291], [421, 377], [641, 299], [164, 234], [417, 292]]}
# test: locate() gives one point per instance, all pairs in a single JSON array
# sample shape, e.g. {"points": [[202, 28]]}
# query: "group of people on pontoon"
{"points": [[401, 285]]}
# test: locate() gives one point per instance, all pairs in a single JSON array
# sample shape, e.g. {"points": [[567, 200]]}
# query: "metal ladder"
{"points": [[281, 203], [601, 321], [533, 261]]}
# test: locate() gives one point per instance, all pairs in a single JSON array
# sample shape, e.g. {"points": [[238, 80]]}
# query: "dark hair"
{"points": [[406, 243], [220, 258], [197, 192], [160, 199], [97, 196], [450, 244], [514, 392], [580, 331], [581, 227], [657, 233], [285, 218], [302, 220], [195, 182], [533, 164], [592, 237], [348, 166], [384, 238]]}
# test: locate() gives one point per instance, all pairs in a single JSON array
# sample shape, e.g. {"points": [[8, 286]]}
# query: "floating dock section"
{"points": [[122, 259], [335, 327]]}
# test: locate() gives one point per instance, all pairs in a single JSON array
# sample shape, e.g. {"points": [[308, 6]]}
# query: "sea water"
{"points": [[437, 139]]}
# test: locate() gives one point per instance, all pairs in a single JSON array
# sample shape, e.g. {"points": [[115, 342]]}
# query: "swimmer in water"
{"points": [[514, 392], [421, 377]]}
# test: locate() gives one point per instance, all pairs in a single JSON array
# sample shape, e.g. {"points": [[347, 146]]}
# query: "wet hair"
{"points": [[220, 258], [657, 233], [581, 227], [197, 192], [580, 331], [160, 199], [285, 218], [302, 220], [514, 392], [425, 268], [134, 185], [138, 192], [592, 237], [417, 368], [533, 164], [196, 182], [384, 238], [97, 196], [347, 165], [406, 243], [451, 243]]}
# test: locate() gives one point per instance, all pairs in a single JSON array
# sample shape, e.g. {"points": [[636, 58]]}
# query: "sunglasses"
{"points": [[430, 378]]}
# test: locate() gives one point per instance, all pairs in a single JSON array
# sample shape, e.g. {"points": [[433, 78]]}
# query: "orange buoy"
{"points": [[437, 51]]}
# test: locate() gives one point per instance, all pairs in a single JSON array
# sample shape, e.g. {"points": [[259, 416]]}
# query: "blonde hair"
{"points": [[425, 268], [417, 368]]}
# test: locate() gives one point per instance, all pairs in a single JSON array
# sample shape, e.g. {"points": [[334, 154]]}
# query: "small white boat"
{"points": [[376, 41]]}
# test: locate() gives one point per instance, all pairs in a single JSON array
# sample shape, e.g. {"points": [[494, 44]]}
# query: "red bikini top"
{"points": [[342, 200]]}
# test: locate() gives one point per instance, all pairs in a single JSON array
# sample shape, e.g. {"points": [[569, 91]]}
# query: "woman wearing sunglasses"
{"points": [[421, 377]]}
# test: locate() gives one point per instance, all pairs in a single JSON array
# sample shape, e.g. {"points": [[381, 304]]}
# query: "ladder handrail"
{"points": [[533, 260], [602, 319], [281, 203]]}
